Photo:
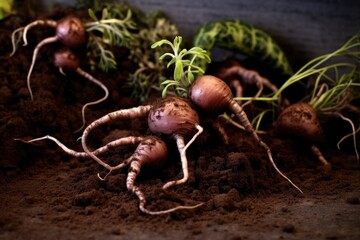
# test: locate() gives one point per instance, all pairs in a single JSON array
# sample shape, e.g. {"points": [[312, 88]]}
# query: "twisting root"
{"points": [[136, 112], [327, 166], [250, 77], [13, 41], [134, 171], [36, 50], [353, 133], [239, 112], [47, 22], [184, 163], [97, 82], [111, 145]]}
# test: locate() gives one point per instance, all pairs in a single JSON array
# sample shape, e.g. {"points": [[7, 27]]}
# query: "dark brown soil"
{"points": [[46, 194]]}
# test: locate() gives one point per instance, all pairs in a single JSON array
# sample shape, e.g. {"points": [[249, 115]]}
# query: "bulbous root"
{"points": [[239, 112], [97, 82], [184, 163], [36, 50]]}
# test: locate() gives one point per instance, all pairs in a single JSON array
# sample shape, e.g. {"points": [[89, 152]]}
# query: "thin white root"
{"points": [[13, 41], [111, 145], [182, 150], [144, 210], [249, 77], [97, 82], [239, 112], [61, 70], [125, 163], [104, 178], [276, 168], [47, 22], [353, 134], [36, 50]]}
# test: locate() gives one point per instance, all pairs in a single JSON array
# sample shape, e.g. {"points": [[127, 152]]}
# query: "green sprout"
{"points": [[108, 31], [184, 69], [150, 71]]}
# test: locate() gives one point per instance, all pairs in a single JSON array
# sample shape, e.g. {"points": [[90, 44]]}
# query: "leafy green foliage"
{"points": [[109, 31], [184, 69], [150, 70]]}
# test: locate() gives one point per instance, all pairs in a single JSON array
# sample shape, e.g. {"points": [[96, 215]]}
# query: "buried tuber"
{"points": [[151, 153], [300, 120], [68, 61]]}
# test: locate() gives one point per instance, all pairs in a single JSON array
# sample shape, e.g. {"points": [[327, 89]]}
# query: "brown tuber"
{"points": [[68, 61], [212, 94], [70, 31], [300, 121]]}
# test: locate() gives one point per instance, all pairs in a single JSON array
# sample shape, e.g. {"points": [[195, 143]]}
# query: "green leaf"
{"points": [[184, 69], [173, 60], [177, 41], [165, 55], [164, 92], [168, 81], [178, 70], [5, 6], [105, 13], [161, 42], [92, 14]]}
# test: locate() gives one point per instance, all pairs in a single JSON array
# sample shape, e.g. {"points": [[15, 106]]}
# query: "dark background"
{"points": [[303, 28]]}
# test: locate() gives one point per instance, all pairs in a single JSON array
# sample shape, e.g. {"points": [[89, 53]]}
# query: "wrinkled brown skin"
{"points": [[66, 60], [151, 153], [300, 120], [71, 32], [173, 115]]}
